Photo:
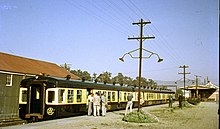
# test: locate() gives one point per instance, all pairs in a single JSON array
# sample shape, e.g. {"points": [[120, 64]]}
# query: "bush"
{"points": [[139, 117]]}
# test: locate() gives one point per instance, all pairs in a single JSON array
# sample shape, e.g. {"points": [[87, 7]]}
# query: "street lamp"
{"points": [[151, 54], [140, 62]]}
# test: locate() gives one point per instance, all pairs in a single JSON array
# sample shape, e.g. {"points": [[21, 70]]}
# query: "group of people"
{"points": [[94, 102]]}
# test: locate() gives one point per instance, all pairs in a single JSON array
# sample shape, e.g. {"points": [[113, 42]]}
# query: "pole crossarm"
{"points": [[143, 38], [141, 22]]}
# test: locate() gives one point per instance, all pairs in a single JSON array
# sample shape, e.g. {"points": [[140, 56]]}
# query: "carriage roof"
{"points": [[54, 82]]}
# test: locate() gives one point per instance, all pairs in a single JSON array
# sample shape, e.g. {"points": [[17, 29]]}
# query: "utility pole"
{"points": [[184, 77], [197, 85], [141, 23]]}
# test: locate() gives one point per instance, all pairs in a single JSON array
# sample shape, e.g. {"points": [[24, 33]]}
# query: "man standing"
{"points": [[104, 103], [129, 103], [89, 103], [96, 104], [170, 101], [180, 100]]}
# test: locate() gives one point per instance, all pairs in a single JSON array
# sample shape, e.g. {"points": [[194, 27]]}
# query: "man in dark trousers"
{"points": [[170, 101]]}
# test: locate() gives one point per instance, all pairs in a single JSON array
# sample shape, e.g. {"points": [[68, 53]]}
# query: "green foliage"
{"points": [[81, 74], [179, 91], [139, 117], [106, 77]]}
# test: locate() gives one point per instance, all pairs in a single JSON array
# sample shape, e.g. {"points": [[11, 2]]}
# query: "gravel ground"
{"points": [[203, 116]]}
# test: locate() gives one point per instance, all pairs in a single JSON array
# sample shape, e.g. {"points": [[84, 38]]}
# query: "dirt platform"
{"points": [[203, 116]]}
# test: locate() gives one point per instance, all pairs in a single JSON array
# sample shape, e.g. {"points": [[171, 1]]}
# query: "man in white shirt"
{"points": [[129, 103], [104, 103], [89, 103], [96, 104]]}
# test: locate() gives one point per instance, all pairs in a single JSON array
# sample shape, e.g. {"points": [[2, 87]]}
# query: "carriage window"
{"points": [[70, 96], [109, 96], [104, 92], [79, 95], [37, 92], [51, 96], [151, 96], [125, 98], [120, 94], [24, 96], [147, 96], [8, 80], [61, 95], [113, 96]]}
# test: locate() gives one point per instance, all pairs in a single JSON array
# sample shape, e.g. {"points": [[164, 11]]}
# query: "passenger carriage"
{"points": [[49, 97]]}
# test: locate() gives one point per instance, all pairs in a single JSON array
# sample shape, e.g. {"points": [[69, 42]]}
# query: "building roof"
{"points": [[17, 64], [209, 85]]}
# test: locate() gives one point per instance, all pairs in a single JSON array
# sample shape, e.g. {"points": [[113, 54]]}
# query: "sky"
{"points": [[91, 35]]}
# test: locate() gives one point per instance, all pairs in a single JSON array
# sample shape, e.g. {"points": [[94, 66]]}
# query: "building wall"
{"points": [[9, 96]]}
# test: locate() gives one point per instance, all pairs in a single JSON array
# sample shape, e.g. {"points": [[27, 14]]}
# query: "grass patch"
{"points": [[139, 117]]}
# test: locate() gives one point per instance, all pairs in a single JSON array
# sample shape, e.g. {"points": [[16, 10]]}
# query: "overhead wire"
{"points": [[171, 51], [174, 60], [120, 9], [91, 12], [118, 26], [132, 10], [114, 18]]}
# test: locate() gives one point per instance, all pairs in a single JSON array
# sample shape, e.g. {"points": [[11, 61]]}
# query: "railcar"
{"points": [[44, 97]]}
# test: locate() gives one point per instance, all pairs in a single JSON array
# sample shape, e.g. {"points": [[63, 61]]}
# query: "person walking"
{"points": [[96, 104], [103, 104], [89, 103], [129, 103]]}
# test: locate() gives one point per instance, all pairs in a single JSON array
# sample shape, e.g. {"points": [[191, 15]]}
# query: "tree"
{"points": [[105, 77], [66, 66], [94, 77], [128, 80], [144, 81], [118, 79], [179, 91], [82, 74]]}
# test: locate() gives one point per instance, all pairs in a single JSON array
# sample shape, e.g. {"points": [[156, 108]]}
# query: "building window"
{"points": [[8, 80]]}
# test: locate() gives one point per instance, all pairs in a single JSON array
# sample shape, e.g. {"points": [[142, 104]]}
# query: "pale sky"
{"points": [[92, 34]]}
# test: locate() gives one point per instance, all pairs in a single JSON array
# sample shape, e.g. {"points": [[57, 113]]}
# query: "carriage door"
{"points": [[36, 99]]}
